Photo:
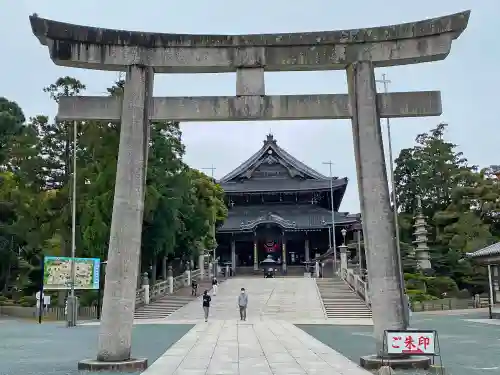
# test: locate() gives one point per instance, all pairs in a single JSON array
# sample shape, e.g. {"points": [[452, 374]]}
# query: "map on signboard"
{"points": [[57, 273]]}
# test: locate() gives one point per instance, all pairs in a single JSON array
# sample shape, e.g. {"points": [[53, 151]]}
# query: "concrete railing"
{"points": [[356, 283], [149, 293]]}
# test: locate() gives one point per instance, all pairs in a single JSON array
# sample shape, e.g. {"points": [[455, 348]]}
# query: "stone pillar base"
{"points": [[130, 365], [373, 362]]}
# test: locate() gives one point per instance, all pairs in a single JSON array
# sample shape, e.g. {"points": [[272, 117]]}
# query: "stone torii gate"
{"points": [[142, 54]]}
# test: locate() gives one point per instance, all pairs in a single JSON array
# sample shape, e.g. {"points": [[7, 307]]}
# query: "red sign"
{"points": [[408, 342]]}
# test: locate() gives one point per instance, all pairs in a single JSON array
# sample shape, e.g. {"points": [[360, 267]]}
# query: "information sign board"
{"points": [[57, 273]]}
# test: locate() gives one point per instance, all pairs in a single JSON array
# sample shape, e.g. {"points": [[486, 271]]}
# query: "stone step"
{"points": [[344, 303], [348, 316], [346, 308], [163, 307], [340, 301], [349, 312]]}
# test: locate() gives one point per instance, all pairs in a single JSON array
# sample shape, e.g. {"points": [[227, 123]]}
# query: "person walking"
{"points": [[194, 288], [206, 304], [215, 284], [243, 303]]}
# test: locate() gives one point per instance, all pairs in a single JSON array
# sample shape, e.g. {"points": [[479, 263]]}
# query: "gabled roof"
{"points": [[259, 156], [491, 250]]}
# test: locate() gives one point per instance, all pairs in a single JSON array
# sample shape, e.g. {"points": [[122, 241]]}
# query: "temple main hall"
{"points": [[279, 206]]}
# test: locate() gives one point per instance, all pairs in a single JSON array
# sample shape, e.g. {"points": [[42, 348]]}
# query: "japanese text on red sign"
{"points": [[408, 342]]}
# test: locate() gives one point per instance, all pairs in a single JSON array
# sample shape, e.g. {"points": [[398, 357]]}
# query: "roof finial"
{"points": [[270, 138]]}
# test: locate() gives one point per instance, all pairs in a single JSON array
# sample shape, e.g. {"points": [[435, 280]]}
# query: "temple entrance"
{"points": [[295, 252], [269, 242], [244, 254]]}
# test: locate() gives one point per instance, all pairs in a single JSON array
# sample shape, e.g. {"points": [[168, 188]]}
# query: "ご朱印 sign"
{"points": [[411, 342]]}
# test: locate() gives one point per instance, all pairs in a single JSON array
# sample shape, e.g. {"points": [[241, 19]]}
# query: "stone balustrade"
{"points": [[356, 283], [162, 288]]}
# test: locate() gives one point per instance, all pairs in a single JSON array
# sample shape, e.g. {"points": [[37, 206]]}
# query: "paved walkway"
{"points": [[262, 348], [292, 299]]}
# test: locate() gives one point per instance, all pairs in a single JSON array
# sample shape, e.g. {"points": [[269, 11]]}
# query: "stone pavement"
{"points": [[291, 299], [267, 343], [469, 342], [261, 348]]}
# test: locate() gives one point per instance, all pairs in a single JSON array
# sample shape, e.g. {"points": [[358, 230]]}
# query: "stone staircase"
{"points": [[340, 301], [167, 304]]}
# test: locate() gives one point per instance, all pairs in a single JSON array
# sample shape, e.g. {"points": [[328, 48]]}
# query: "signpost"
{"points": [[413, 343]]}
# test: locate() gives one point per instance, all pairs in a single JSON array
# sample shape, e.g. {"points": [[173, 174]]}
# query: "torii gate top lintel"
{"points": [[108, 49]]}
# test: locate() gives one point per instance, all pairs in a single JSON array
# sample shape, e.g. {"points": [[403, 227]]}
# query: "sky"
{"points": [[468, 79]]}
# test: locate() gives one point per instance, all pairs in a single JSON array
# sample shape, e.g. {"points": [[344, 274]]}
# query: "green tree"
{"points": [[431, 169], [11, 123], [460, 203], [182, 205]]}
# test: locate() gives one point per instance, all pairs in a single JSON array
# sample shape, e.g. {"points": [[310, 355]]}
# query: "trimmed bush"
{"points": [[441, 286], [27, 301]]}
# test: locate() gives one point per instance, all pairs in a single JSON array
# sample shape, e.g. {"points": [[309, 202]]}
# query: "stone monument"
{"points": [[421, 250], [140, 54]]}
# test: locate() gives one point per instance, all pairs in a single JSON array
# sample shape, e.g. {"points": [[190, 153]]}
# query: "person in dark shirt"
{"points": [[206, 304]]}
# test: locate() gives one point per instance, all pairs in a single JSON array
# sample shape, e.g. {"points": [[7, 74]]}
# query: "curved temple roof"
{"points": [[46, 30], [270, 143]]}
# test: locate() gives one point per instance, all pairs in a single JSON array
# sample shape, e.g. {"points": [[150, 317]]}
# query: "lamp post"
{"points": [[344, 233], [333, 243]]}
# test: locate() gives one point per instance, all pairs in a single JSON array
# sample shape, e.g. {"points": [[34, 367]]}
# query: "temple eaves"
{"points": [[106, 49]]}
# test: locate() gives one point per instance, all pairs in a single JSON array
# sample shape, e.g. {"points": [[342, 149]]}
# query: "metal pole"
{"points": [[330, 237], [72, 302], [490, 292], [334, 241], [386, 82], [360, 256]]}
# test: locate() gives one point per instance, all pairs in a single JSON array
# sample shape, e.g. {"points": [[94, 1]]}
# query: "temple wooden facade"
{"points": [[279, 206]]}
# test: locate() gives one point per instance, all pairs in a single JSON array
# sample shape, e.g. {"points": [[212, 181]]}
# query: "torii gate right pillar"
{"points": [[378, 220]]}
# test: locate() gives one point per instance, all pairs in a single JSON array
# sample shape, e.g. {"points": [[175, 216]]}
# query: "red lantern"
{"points": [[270, 246]]}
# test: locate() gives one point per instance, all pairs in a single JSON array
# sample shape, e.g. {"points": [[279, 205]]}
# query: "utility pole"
{"points": [[334, 242], [212, 170], [386, 82], [72, 301]]}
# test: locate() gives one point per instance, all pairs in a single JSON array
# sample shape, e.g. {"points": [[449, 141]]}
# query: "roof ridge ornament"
{"points": [[270, 139]]}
